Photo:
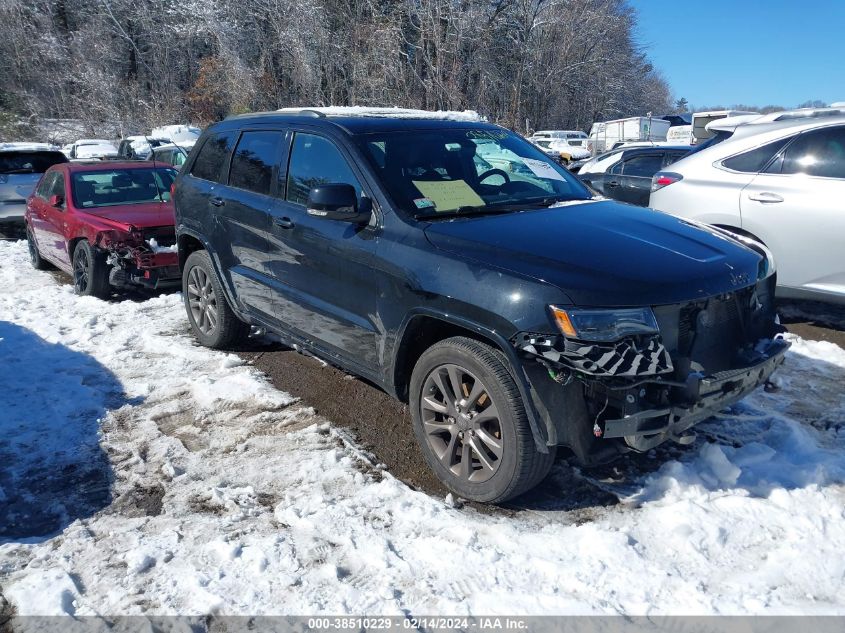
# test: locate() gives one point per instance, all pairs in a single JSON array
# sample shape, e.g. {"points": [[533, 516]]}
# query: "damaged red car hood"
{"points": [[140, 216]]}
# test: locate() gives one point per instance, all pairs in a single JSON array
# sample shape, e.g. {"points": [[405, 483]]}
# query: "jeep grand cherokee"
{"points": [[514, 312]]}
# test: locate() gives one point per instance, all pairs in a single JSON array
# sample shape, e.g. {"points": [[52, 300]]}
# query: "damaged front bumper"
{"points": [[602, 398], [146, 258], [700, 397]]}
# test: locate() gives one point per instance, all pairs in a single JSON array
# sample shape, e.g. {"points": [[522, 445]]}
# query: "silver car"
{"points": [[20, 171], [781, 183]]}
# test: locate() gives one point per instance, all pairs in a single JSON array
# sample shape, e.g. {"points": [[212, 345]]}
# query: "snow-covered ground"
{"points": [[174, 479]]}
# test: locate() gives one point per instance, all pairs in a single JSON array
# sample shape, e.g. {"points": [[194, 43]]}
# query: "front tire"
{"points": [[471, 425], [35, 258], [213, 322], [90, 272]]}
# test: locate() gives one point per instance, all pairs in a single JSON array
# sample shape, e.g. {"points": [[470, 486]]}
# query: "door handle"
{"points": [[217, 201], [285, 223], [765, 196], [613, 183]]}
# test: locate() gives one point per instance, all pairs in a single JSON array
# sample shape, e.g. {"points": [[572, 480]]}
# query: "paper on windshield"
{"points": [[542, 169], [448, 195]]}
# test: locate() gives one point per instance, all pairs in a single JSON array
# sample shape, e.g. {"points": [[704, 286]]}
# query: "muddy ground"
{"points": [[382, 425]]}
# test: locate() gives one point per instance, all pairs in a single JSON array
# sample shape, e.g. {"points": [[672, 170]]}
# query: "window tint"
{"points": [[645, 165], [17, 162], [817, 153], [755, 160], [316, 161], [252, 165], [213, 156]]}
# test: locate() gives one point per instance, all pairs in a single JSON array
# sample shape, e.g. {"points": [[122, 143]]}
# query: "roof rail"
{"points": [[313, 113]]}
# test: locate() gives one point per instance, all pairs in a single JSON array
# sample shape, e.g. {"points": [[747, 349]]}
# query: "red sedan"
{"points": [[109, 224]]}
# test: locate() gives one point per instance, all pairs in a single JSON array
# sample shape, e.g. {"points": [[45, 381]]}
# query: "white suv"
{"points": [[781, 183]]}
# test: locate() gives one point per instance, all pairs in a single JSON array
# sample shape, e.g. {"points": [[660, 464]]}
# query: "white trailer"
{"points": [[701, 119], [607, 135]]}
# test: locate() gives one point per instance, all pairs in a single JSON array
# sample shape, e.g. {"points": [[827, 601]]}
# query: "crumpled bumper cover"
{"points": [[713, 393], [618, 360]]}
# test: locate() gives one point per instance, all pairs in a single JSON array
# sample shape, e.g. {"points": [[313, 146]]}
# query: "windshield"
{"points": [[29, 162], [108, 188], [453, 171]]}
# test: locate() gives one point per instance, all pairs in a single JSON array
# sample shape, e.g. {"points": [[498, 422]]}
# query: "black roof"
{"points": [[357, 124]]}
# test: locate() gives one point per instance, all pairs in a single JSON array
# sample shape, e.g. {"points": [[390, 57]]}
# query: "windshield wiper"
{"points": [[464, 211], [25, 170]]}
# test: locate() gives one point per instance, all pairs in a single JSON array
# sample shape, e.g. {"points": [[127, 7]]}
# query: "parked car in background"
{"points": [[575, 138], [109, 225], [488, 299], [171, 154], [20, 171], [781, 183], [91, 148], [561, 150], [179, 134], [138, 147], [625, 174]]}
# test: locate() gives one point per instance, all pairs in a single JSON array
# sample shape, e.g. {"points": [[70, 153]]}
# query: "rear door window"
{"points": [[316, 161], [256, 155], [644, 166], [213, 156], [817, 153], [755, 160]]}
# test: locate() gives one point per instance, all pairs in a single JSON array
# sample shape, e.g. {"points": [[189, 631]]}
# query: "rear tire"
{"points": [[90, 272], [213, 322], [478, 442], [35, 258]]}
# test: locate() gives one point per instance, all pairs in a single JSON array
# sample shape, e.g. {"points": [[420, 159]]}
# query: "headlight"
{"points": [[604, 325]]}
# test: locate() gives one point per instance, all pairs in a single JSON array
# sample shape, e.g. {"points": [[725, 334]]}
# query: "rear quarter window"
{"points": [[213, 155]]}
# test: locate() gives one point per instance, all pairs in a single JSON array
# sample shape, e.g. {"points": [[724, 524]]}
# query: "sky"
{"points": [[753, 52]]}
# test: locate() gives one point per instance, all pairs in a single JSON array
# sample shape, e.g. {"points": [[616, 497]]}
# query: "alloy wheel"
{"points": [[461, 423], [33, 249], [202, 300], [81, 270]]}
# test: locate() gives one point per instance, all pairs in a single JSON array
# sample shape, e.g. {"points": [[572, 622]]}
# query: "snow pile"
{"points": [[153, 244], [393, 113], [227, 497]]}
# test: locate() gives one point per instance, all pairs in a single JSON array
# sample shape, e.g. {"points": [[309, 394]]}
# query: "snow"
{"points": [[394, 112], [177, 133], [26, 147], [153, 243], [145, 474]]}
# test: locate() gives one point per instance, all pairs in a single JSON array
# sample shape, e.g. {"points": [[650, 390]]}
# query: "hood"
{"points": [[138, 215], [604, 253]]}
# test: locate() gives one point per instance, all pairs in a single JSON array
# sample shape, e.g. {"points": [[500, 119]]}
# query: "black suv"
{"points": [[456, 266]]}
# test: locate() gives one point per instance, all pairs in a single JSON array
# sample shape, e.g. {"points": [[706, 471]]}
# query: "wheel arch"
{"points": [[188, 242], [423, 329]]}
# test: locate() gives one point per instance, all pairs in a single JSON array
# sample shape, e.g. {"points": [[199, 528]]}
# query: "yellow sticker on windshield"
{"points": [[448, 195]]}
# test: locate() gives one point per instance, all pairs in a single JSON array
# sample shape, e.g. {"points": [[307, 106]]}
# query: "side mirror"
{"points": [[57, 201], [338, 202]]}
